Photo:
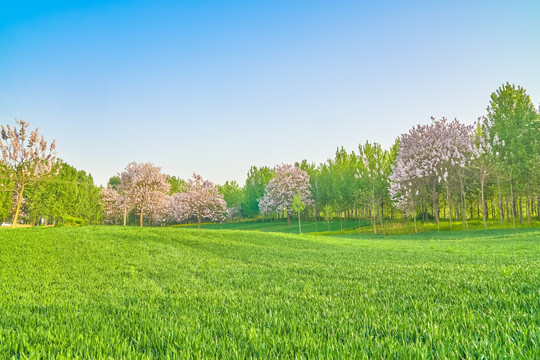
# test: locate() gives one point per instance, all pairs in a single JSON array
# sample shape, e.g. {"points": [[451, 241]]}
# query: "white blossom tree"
{"points": [[157, 208], [428, 156], [26, 158], [143, 184], [111, 201], [201, 200], [288, 182]]}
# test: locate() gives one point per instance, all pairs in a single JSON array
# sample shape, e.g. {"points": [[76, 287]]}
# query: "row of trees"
{"points": [[480, 167], [444, 169], [447, 169], [141, 188]]}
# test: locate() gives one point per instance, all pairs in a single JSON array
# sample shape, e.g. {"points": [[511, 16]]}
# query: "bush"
{"points": [[73, 221]]}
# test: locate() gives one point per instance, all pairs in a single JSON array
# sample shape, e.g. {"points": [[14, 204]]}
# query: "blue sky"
{"points": [[214, 87]]}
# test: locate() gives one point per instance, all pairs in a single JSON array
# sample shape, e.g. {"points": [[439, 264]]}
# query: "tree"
{"points": [[143, 184], [288, 181], [201, 200], [374, 168], [513, 128], [298, 205], [71, 193], [257, 179], [111, 201], [233, 195], [342, 170], [26, 158], [327, 213], [482, 164], [177, 185], [428, 156]]}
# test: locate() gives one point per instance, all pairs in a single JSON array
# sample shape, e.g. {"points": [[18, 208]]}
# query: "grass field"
{"points": [[283, 227], [98, 292], [389, 227]]}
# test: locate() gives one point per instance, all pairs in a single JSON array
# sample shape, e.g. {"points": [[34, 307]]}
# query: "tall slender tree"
{"points": [[514, 136]]}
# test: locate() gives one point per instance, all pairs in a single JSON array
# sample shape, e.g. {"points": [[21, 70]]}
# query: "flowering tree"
{"points": [[26, 158], [288, 181], [143, 184], [112, 204], [201, 200], [157, 208], [428, 155]]}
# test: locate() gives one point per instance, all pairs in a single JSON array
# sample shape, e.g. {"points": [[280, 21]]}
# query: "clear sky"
{"points": [[214, 87]]}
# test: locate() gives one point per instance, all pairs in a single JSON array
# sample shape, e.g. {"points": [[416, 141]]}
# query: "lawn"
{"points": [[284, 227], [97, 292]]}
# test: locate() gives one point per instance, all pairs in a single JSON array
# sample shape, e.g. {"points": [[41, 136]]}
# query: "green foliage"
{"points": [[71, 193], [257, 179], [232, 193], [72, 221], [112, 292], [114, 182], [341, 180], [6, 190], [177, 185], [298, 205], [514, 121]]}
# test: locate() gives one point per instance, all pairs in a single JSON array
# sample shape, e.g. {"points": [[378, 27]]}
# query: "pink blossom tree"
{"points": [[157, 208], [201, 200], [428, 156], [143, 184], [288, 182], [25, 159], [111, 201]]}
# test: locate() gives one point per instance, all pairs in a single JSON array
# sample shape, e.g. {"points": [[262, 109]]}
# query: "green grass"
{"points": [[112, 292], [389, 227], [283, 227], [402, 227]]}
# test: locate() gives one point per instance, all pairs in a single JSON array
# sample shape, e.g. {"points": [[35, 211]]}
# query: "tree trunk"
{"points": [[464, 211], [501, 215], [483, 201], [199, 222], [141, 218], [125, 215], [19, 201], [414, 215], [435, 206], [507, 210], [528, 204], [520, 211], [513, 204], [449, 205], [299, 225], [373, 217], [288, 218]]}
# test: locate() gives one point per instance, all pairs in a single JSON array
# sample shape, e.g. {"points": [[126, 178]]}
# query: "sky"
{"points": [[215, 87]]}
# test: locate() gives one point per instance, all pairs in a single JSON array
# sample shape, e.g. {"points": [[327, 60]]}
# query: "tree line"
{"points": [[443, 170]]}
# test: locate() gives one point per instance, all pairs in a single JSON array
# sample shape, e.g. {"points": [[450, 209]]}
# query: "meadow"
{"points": [[114, 292], [284, 227]]}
